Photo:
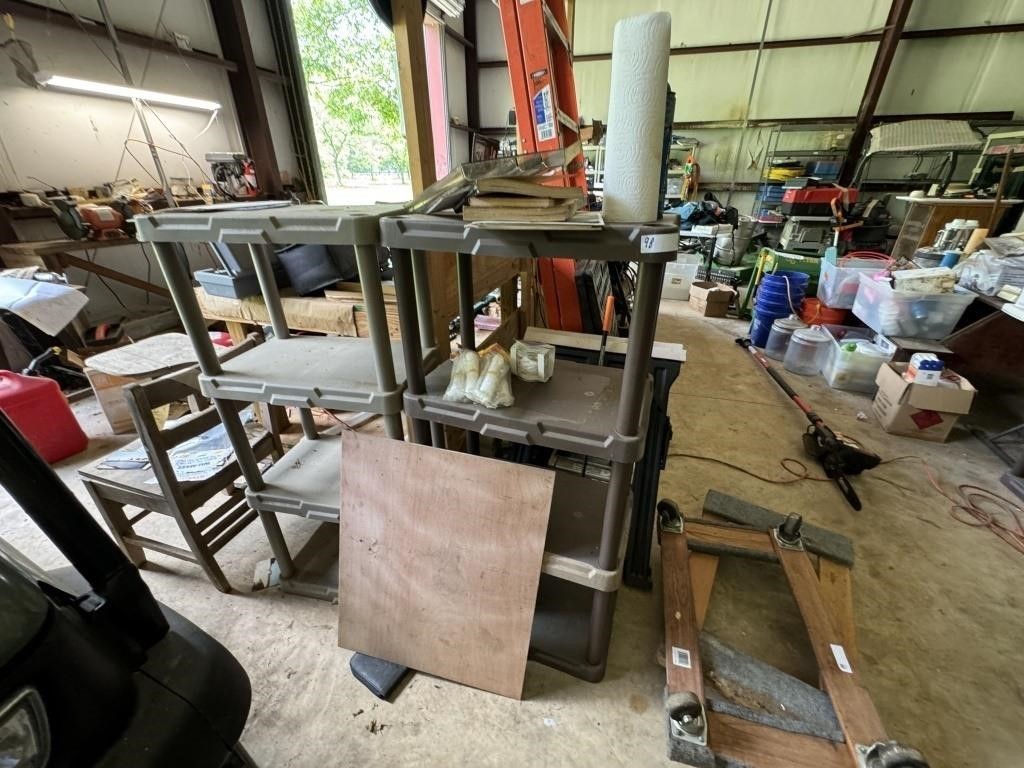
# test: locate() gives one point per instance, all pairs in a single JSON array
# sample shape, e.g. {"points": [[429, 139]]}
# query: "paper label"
{"points": [[681, 657], [544, 114], [667, 241], [840, 656]]}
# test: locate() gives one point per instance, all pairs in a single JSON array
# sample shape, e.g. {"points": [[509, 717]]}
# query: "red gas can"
{"points": [[40, 411]]}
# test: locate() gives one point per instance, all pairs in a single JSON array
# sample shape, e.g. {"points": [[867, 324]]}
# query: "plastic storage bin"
{"points": [[917, 315], [854, 356], [806, 351], [679, 275], [838, 282], [39, 410]]}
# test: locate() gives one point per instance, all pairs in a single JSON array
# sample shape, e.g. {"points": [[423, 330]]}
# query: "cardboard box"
{"points": [[711, 299], [914, 410]]}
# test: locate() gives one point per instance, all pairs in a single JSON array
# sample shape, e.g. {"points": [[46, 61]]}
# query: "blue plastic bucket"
{"points": [[780, 293], [783, 277], [761, 325]]}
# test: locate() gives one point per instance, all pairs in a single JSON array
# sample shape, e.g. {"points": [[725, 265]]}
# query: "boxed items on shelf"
{"points": [[917, 315], [916, 410], [838, 283], [711, 299], [854, 357], [933, 280]]}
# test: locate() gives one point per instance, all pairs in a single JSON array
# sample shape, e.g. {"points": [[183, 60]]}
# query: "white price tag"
{"points": [[841, 661], [681, 657], [667, 241]]}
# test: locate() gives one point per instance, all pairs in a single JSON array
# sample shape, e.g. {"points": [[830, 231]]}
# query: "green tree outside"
{"points": [[349, 59]]}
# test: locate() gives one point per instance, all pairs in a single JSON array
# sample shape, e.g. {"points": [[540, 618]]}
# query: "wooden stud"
{"points": [[758, 745], [683, 668], [854, 709], [703, 569], [836, 586]]}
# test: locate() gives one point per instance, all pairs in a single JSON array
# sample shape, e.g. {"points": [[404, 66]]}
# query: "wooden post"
{"points": [[407, 16], [233, 33], [412, 78]]}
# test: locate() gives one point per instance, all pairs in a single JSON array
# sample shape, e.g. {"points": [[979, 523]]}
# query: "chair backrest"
{"points": [[143, 398]]}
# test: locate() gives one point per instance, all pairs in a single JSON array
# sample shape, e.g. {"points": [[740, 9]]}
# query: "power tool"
{"points": [[838, 454]]}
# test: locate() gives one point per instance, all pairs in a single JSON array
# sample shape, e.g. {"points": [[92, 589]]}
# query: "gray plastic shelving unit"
{"points": [[330, 372], [286, 484], [574, 411], [333, 372], [585, 409]]}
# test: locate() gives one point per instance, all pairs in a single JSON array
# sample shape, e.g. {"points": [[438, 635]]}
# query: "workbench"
{"points": [[927, 215]]}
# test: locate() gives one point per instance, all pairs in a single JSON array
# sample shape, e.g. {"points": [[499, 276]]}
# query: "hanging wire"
{"points": [[88, 34], [142, 81]]}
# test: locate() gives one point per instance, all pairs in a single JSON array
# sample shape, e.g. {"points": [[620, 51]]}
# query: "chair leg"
{"points": [[117, 521], [195, 542]]}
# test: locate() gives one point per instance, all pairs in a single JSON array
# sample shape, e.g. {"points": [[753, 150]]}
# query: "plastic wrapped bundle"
{"points": [[465, 371], [493, 387]]}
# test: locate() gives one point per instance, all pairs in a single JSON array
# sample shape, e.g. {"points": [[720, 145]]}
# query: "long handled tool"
{"points": [[606, 326], [838, 455]]}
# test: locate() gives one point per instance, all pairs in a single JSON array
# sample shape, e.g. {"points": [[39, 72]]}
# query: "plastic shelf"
{"points": [[574, 411], [655, 242], [561, 628], [574, 534], [286, 225], [334, 372], [306, 481]]}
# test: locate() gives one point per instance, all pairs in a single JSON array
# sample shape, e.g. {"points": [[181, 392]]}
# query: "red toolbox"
{"points": [[41, 413], [815, 201]]}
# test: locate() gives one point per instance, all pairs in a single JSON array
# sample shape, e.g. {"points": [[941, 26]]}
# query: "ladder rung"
{"points": [[553, 26], [568, 122]]}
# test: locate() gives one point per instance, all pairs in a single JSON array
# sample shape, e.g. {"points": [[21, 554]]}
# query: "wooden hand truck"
{"points": [[778, 721]]}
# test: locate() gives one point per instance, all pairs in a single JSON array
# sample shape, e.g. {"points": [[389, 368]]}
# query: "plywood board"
{"points": [[440, 556]]}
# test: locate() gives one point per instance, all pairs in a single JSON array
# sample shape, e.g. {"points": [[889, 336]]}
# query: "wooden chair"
{"points": [[157, 489]]}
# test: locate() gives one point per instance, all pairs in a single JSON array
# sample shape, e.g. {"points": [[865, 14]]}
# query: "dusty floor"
{"points": [[938, 606]]}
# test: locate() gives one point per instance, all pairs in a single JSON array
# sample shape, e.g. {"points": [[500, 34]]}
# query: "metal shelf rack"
{"points": [[777, 149], [329, 372], [591, 410]]}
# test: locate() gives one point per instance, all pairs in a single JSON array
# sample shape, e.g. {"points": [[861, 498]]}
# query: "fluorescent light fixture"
{"points": [[49, 80]]}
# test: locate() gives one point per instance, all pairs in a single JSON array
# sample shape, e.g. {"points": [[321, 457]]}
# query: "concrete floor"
{"points": [[937, 603]]}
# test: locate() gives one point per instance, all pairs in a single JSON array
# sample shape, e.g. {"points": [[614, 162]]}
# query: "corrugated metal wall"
{"points": [[937, 75]]}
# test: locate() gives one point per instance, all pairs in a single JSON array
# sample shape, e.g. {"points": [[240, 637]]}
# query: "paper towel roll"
{"points": [[636, 118]]}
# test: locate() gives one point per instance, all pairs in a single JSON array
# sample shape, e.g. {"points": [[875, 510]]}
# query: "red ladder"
{"points": [[547, 118]]}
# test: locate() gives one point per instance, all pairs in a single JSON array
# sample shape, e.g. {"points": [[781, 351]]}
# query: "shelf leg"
{"points": [[172, 263], [411, 347], [424, 301], [380, 339], [424, 312], [467, 331], [261, 254], [602, 612], [634, 380]]}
